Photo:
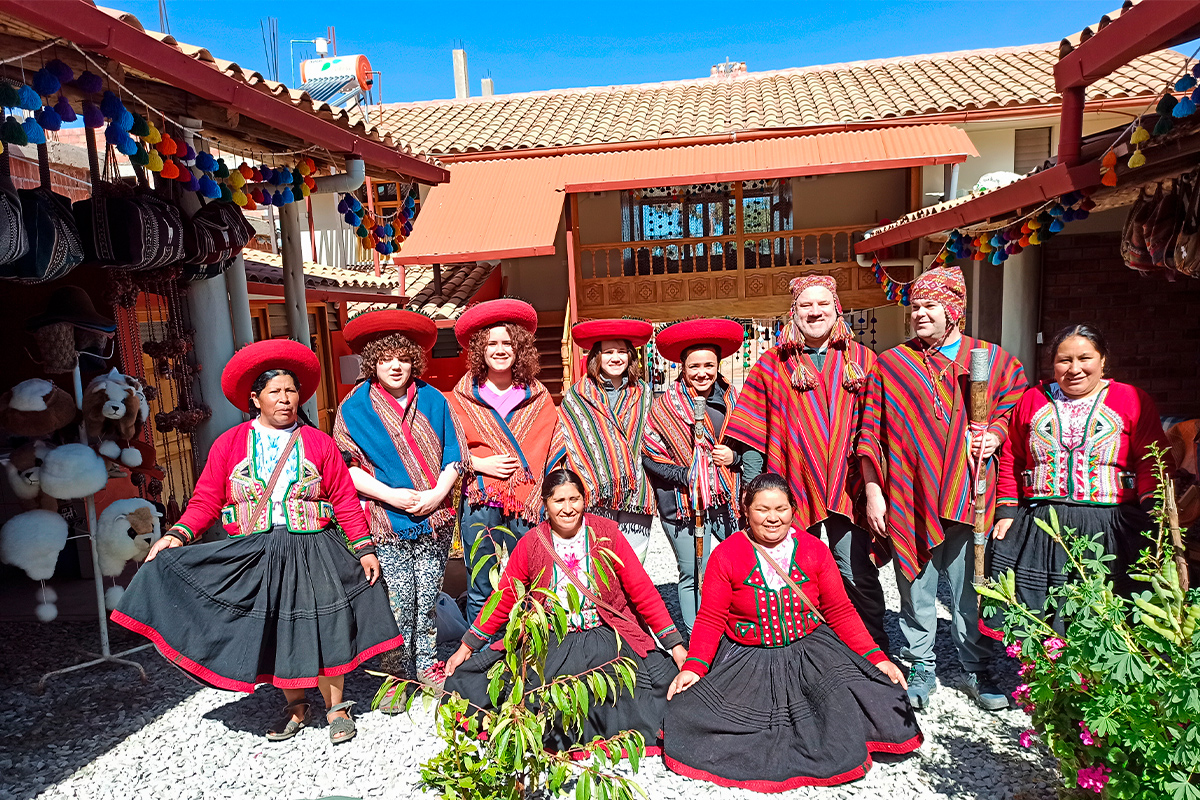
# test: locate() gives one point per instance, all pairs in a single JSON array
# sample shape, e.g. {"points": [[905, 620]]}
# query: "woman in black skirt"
{"points": [[783, 686], [289, 598], [1076, 445], [565, 551]]}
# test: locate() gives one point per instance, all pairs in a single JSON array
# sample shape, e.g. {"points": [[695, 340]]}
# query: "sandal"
{"points": [[288, 727], [341, 729]]}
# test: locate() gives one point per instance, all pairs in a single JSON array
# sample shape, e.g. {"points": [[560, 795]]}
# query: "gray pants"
{"points": [[955, 559], [493, 528], [682, 535], [851, 546]]}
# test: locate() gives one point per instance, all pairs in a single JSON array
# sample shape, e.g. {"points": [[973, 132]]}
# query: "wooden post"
{"points": [[739, 213], [980, 411], [437, 282], [1171, 507], [574, 278]]}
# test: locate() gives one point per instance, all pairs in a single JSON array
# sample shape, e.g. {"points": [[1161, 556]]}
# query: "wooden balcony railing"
{"points": [[664, 279]]}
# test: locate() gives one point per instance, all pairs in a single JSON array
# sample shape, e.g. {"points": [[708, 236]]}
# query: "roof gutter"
{"points": [[89, 27], [961, 117]]}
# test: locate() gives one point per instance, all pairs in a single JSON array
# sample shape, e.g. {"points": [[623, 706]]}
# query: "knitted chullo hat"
{"points": [[943, 285], [792, 342]]}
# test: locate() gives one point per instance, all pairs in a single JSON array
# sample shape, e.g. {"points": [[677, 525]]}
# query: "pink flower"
{"points": [[1026, 669], [1053, 645], [1084, 685], [1021, 694], [1013, 650], [1085, 735], [1093, 778], [1026, 738]]}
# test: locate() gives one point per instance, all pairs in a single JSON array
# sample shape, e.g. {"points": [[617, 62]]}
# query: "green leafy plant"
{"points": [[498, 754], [1116, 697]]}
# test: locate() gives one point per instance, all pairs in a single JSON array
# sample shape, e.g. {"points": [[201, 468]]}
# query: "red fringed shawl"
{"points": [[807, 434], [526, 434]]}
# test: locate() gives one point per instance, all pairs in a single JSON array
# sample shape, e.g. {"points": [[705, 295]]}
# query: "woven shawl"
{"points": [[526, 434], [405, 448], [669, 440], [604, 445]]}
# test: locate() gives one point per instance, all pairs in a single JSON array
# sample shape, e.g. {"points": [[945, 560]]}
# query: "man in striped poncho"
{"points": [[918, 457]]}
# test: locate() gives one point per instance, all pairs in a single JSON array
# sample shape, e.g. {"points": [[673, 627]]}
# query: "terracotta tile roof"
{"points": [[862, 91], [460, 282], [1074, 40], [265, 267]]}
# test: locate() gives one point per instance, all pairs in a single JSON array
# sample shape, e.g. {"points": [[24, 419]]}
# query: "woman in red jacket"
{"points": [[783, 686], [563, 552], [287, 599], [1077, 447]]}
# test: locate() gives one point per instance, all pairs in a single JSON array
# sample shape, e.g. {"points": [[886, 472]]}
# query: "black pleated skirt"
{"points": [[580, 651], [1040, 563], [278, 607], [771, 719]]}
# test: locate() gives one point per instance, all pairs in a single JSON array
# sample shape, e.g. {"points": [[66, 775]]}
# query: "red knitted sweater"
{"points": [[633, 593], [738, 603]]}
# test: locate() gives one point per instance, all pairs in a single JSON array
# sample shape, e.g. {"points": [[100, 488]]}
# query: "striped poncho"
{"points": [[604, 444], [920, 451], [808, 434], [670, 439], [526, 433]]}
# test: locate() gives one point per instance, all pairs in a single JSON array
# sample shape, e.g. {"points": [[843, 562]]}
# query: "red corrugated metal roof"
{"points": [[511, 208]]}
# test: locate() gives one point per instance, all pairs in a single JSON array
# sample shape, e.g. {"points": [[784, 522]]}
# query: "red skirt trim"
{"points": [[229, 684], [990, 633], [794, 783]]}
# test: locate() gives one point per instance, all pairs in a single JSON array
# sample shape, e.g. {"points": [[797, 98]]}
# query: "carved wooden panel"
{"points": [[779, 283], [672, 290], [756, 285], [726, 287], [645, 291], [593, 294], [843, 279], [699, 289], [618, 293]]}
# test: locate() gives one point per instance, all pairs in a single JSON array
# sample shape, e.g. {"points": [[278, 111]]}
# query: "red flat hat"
{"points": [[491, 313], [365, 328], [586, 334], [255, 359], [724, 334]]}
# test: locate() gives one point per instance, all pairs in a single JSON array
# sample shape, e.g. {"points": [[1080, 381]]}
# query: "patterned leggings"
{"points": [[413, 569]]}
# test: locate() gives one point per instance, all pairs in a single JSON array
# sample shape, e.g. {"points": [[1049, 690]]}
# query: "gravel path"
{"points": [[100, 734]]}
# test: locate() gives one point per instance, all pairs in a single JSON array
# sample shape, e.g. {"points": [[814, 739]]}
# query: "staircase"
{"points": [[548, 341]]}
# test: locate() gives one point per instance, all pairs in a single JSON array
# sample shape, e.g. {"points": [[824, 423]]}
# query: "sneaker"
{"points": [[434, 675], [921, 683], [984, 691]]}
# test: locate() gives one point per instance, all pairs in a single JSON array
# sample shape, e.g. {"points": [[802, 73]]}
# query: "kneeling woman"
{"points": [[567, 550], [288, 599], [783, 686]]}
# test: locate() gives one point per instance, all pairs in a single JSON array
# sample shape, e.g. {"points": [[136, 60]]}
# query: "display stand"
{"points": [[105, 656]]}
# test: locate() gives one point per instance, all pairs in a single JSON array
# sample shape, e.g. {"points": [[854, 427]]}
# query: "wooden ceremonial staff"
{"points": [[698, 412], [979, 416]]}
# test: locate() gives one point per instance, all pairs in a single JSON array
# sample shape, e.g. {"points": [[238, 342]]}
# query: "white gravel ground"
{"points": [[101, 735]]}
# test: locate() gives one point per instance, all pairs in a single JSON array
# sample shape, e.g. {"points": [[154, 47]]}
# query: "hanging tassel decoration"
{"points": [[33, 132], [45, 82], [93, 117], [49, 119], [28, 99]]}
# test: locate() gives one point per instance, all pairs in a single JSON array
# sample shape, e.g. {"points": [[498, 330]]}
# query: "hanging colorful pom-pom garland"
{"points": [[381, 232], [996, 244], [1169, 108]]}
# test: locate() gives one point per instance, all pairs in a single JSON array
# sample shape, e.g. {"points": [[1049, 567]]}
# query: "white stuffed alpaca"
{"points": [[124, 532], [72, 471]]}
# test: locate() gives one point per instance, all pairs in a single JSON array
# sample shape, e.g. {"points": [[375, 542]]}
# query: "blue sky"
{"points": [[533, 46]]}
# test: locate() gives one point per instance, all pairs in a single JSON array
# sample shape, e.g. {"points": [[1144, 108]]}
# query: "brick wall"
{"points": [[1152, 325]]}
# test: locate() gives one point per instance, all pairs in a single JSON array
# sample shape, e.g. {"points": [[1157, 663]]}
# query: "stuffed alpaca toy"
{"points": [[35, 408], [124, 532], [24, 469], [114, 409], [32, 542], [72, 471]]}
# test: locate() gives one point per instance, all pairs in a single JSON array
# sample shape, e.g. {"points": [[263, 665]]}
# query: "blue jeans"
{"points": [[954, 558], [495, 527]]}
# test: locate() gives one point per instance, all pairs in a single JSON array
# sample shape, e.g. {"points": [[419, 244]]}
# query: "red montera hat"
{"points": [[255, 359], [365, 328], [944, 285], [723, 334], [636, 331], [491, 313]]}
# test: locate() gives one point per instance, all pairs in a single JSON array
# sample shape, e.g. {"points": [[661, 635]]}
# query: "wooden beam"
{"points": [[1141, 29]]}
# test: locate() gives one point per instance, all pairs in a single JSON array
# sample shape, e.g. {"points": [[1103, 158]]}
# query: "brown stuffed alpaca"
{"points": [[114, 409], [35, 408], [24, 468]]}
